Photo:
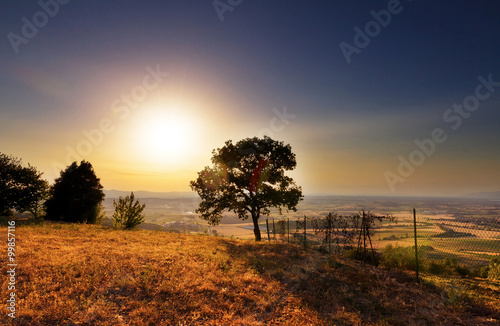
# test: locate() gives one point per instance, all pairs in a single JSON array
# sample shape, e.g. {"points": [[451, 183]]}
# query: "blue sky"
{"points": [[352, 121]]}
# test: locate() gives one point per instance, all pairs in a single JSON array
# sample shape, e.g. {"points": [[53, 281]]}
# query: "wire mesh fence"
{"points": [[460, 241], [470, 242], [334, 233]]}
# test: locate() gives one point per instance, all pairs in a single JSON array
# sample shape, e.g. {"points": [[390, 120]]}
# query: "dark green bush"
{"points": [[359, 254], [494, 270], [447, 266], [401, 257], [480, 271]]}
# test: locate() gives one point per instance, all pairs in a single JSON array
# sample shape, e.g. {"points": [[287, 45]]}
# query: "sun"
{"points": [[165, 135]]}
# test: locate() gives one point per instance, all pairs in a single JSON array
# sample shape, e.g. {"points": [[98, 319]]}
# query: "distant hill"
{"points": [[113, 193], [484, 195]]}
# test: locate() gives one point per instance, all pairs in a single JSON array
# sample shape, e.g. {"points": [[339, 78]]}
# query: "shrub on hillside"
{"points": [[402, 257], [494, 272], [368, 256], [447, 266], [128, 212], [480, 271]]}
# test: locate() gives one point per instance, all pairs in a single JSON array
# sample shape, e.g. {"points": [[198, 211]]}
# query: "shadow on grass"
{"points": [[345, 292]]}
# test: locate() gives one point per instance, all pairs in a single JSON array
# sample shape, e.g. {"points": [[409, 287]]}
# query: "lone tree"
{"points": [[128, 214], [247, 178], [76, 195], [21, 188]]}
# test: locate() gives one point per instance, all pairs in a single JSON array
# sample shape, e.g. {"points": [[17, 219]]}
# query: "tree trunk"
{"points": [[256, 230]]}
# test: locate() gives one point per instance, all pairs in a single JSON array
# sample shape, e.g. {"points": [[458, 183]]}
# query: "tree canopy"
{"points": [[76, 195], [247, 178], [21, 188]]}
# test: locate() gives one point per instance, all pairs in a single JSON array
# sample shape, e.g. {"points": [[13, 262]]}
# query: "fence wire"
{"points": [[469, 242]]}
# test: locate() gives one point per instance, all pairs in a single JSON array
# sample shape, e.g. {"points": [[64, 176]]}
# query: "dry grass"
{"points": [[92, 275]]}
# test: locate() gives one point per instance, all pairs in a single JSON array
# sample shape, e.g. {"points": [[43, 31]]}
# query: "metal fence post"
{"points": [[329, 235], [274, 230], [305, 231], [288, 226], [416, 247], [364, 223], [267, 227]]}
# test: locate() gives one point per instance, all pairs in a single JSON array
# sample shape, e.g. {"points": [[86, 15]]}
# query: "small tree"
{"points": [[247, 178], [76, 195], [21, 188], [128, 214]]}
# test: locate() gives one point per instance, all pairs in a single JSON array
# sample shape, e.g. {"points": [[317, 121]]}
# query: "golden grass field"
{"points": [[94, 275]]}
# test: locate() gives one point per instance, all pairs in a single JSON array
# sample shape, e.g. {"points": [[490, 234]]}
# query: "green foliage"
{"points": [[100, 214], [494, 271], [480, 271], [76, 195], [128, 212], [455, 295], [351, 253], [401, 257], [247, 178], [363, 255], [21, 188], [447, 266], [438, 268], [404, 257]]}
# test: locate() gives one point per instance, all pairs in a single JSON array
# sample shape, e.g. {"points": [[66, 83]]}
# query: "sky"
{"points": [[393, 98]]}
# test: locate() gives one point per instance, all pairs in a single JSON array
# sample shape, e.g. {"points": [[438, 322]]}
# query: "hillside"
{"points": [[94, 275]]}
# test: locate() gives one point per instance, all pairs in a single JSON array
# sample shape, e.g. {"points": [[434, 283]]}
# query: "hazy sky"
{"points": [[375, 97]]}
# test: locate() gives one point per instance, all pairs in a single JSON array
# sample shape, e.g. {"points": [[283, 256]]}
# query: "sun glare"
{"points": [[165, 136]]}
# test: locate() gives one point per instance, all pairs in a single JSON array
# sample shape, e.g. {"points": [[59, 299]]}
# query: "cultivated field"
{"points": [[465, 229]]}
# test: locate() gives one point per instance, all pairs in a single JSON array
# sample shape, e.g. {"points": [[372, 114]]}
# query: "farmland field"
{"points": [[465, 229]]}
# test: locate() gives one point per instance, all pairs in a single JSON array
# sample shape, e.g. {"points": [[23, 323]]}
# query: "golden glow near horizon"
{"points": [[158, 147], [160, 142]]}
